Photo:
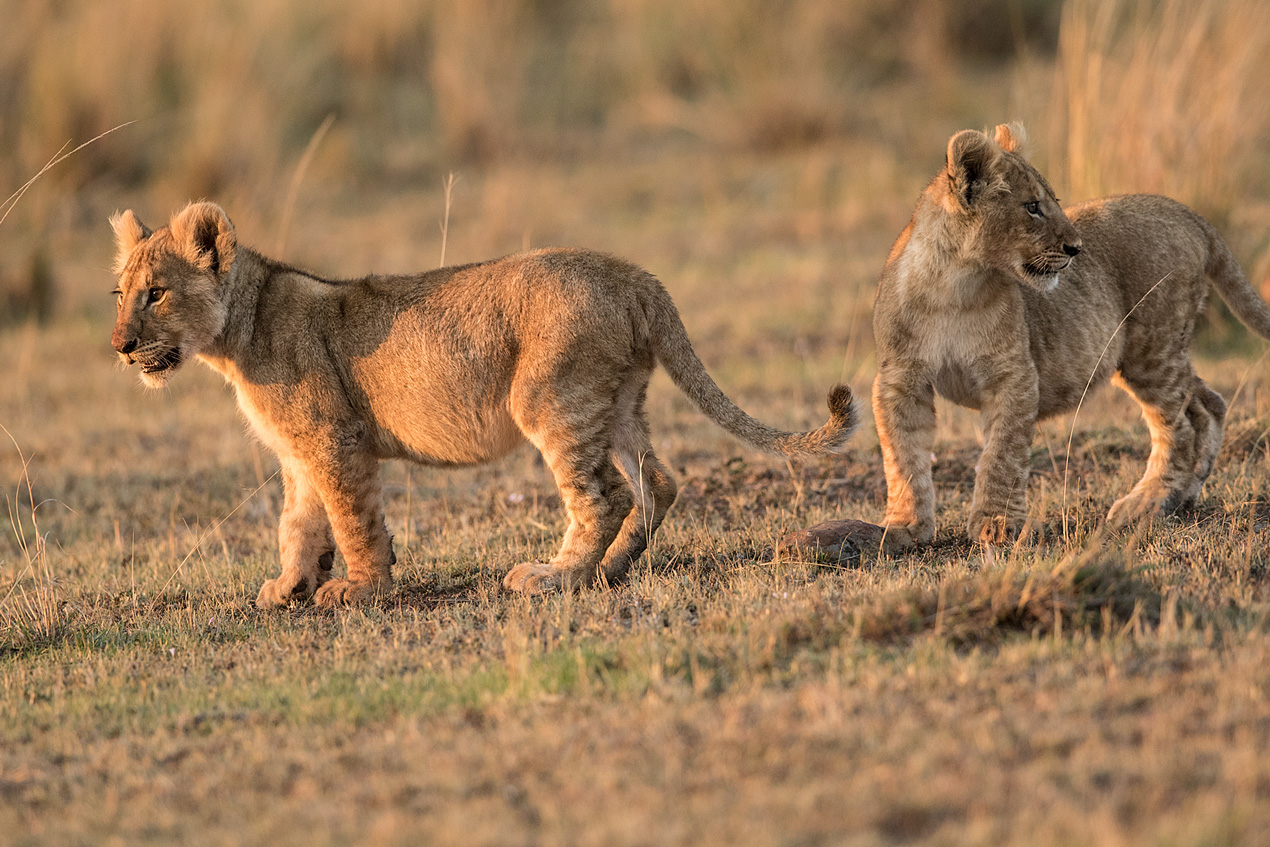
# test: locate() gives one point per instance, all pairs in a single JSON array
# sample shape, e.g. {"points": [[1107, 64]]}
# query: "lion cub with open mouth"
{"points": [[456, 366]]}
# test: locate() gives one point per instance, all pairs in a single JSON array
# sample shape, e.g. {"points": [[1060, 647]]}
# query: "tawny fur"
{"points": [[457, 366], [997, 299]]}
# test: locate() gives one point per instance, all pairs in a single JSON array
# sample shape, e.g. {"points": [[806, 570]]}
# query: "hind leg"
{"points": [[575, 445], [1207, 413], [650, 483], [596, 497], [1165, 395]]}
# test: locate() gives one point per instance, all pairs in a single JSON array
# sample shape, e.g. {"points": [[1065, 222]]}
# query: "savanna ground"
{"points": [[760, 158]]}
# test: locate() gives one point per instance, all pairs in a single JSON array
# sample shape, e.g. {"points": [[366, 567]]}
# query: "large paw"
{"points": [[899, 538], [342, 592], [1137, 505], [284, 589], [534, 578], [996, 530]]}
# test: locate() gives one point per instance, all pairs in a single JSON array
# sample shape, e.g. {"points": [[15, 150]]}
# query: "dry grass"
{"points": [[1098, 596], [1182, 84], [760, 158], [31, 615]]}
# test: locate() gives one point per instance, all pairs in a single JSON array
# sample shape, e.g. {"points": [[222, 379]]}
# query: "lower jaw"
{"points": [[1044, 282], [156, 379]]}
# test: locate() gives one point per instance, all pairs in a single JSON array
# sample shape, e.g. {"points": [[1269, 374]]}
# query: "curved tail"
{"points": [[674, 350], [1233, 286]]}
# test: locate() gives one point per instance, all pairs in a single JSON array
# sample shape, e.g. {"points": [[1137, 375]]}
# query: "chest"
{"points": [[264, 424], [963, 351]]}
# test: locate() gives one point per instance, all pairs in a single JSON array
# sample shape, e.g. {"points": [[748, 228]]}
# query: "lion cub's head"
{"points": [[170, 288], [1010, 218]]}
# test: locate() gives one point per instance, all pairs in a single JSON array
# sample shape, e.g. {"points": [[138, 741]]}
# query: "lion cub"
{"points": [[998, 300], [456, 366]]}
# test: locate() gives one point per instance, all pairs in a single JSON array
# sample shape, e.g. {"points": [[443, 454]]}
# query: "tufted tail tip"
{"points": [[844, 413]]}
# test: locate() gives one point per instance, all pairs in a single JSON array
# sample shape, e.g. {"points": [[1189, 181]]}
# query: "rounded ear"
{"points": [[203, 235], [1011, 137], [129, 232], [971, 155]]}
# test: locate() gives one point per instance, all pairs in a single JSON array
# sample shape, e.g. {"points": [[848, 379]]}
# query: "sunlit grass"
{"points": [[1088, 688]]}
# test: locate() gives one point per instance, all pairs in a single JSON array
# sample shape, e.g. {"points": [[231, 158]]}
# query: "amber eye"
{"points": [[118, 297], [1033, 208], [157, 294]]}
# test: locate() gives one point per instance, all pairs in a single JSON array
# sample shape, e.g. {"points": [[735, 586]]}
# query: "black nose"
{"points": [[1071, 249], [127, 347]]}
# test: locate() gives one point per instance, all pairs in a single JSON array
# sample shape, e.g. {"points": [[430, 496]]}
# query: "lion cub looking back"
{"points": [[452, 367], [1000, 300]]}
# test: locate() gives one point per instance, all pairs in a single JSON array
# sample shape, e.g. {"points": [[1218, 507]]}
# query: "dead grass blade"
{"points": [[445, 221], [58, 157], [294, 189], [199, 543], [1071, 432]]}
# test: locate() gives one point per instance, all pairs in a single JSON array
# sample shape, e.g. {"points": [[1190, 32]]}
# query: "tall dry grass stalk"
{"points": [[1165, 97], [60, 156], [293, 192], [445, 220]]}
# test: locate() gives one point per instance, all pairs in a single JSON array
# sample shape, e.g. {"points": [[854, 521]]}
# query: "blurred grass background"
{"points": [[226, 97]]}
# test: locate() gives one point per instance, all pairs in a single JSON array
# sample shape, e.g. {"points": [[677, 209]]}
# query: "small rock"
{"points": [[842, 543]]}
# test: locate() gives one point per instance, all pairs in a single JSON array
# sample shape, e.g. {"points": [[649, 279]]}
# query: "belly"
{"points": [[1073, 362], [960, 384], [440, 430], [438, 406]]}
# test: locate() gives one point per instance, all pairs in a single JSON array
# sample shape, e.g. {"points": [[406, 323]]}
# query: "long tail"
{"points": [[1233, 286], [674, 351]]}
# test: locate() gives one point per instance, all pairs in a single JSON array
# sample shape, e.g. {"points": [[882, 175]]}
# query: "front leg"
{"points": [[904, 411], [305, 543], [347, 480], [999, 507]]}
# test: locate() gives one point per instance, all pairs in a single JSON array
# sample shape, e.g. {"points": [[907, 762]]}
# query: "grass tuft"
{"points": [[1093, 593]]}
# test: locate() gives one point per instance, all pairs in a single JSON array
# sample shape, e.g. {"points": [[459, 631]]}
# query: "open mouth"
{"points": [[170, 359]]}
